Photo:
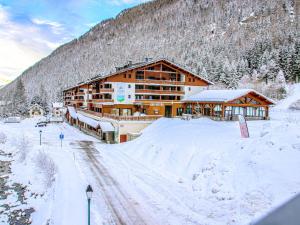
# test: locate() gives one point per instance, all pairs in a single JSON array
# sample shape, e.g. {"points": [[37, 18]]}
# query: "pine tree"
{"points": [[19, 103]]}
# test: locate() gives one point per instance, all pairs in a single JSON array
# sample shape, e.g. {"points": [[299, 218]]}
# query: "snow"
{"points": [[177, 172], [221, 95], [106, 126], [89, 121], [294, 96], [72, 112], [57, 105]]}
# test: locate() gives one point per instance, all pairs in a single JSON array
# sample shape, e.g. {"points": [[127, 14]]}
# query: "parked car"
{"points": [[41, 124]]}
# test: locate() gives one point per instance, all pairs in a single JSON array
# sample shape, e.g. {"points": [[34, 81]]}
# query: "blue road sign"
{"points": [[61, 136]]}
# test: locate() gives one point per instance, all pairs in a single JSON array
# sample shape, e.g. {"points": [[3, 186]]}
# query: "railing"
{"points": [[79, 94], [142, 91], [102, 90], [133, 118], [154, 100], [150, 81], [101, 100], [127, 118]]}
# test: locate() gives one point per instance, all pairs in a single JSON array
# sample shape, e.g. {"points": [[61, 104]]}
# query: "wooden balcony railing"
{"points": [[150, 81], [135, 118], [101, 100], [175, 92]]}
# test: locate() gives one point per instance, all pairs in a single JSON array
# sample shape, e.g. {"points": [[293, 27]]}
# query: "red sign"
{"points": [[243, 127]]}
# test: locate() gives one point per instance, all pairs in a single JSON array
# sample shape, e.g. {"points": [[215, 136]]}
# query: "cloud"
{"points": [[57, 28], [26, 42]]}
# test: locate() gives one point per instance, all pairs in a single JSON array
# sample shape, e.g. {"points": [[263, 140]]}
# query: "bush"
{"points": [[47, 166], [3, 138], [23, 146]]}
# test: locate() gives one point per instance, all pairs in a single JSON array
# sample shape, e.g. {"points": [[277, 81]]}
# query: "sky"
{"points": [[32, 29]]}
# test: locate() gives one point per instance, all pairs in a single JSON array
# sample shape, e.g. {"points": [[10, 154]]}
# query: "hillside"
{"points": [[223, 40]]}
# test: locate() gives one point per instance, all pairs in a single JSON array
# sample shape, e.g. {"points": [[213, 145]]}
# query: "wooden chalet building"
{"points": [[228, 104], [153, 88], [140, 92], [136, 94]]}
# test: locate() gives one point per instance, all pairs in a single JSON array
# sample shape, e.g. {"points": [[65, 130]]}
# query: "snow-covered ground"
{"points": [[178, 172]]}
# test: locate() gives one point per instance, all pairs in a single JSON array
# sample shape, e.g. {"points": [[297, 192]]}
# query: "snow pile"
{"points": [[292, 101], [231, 180]]}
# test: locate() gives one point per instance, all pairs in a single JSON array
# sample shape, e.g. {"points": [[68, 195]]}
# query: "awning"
{"points": [[89, 121], [106, 126], [72, 112]]}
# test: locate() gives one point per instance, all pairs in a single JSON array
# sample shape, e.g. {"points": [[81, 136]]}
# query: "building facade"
{"points": [[135, 95], [228, 104]]}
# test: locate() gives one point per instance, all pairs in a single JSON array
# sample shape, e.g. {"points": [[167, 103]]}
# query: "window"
{"points": [[189, 109], [190, 89], [124, 75], [217, 110], [129, 75], [261, 112], [194, 80], [129, 86], [179, 111], [129, 96], [190, 80]]}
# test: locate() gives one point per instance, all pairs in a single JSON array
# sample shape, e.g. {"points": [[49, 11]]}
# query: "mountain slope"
{"points": [[223, 39]]}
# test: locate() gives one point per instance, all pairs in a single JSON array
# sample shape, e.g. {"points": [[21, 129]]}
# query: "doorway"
{"points": [[168, 111]]}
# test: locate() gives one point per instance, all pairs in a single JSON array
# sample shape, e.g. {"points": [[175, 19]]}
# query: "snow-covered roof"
{"points": [[222, 95], [89, 121], [106, 126], [57, 104], [72, 112], [35, 105]]}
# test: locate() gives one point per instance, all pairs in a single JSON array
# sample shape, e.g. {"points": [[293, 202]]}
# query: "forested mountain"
{"points": [[224, 40]]}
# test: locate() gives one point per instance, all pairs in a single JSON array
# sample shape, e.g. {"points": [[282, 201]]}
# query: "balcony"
{"points": [[77, 101], [100, 100], [152, 81], [133, 118], [80, 94], [143, 91], [106, 90], [119, 118]]}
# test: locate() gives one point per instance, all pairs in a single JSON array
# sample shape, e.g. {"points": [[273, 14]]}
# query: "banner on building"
{"points": [[121, 92], [243, 127]]}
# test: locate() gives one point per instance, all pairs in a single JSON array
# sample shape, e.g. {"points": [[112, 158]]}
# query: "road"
{"points": [[142, 197]]}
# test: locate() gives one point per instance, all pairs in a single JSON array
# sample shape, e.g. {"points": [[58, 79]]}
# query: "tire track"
{"points": [[123, 209]]}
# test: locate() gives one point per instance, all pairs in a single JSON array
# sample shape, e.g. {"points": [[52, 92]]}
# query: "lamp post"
{"points": [[89, 193], [40, 137]]}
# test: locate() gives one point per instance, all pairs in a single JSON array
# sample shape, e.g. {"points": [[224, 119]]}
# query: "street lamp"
{"points": [[89, 193], [40, 137]]}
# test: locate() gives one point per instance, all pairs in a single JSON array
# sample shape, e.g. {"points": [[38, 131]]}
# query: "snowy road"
{"points": [[123, 209], [133, 194]]}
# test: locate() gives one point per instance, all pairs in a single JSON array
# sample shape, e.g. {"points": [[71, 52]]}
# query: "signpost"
{"points": [[61, 137], [243, 127]]}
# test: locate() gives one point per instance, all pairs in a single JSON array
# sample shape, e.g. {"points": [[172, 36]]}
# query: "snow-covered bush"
{"points": [[23, 146], [295, 105], [3, 138], [47, 166]]}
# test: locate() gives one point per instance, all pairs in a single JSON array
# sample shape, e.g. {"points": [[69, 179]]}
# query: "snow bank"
{"points": [[293, 97], [234, 180]]}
